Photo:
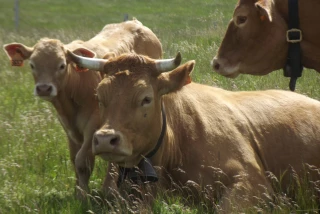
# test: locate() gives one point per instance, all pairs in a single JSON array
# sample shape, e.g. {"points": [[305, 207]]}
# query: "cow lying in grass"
{"points": [[73, 93], [212, 136]]}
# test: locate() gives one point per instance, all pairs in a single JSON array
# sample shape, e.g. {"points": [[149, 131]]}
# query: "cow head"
{"points": [[48, 62], [255, 41], [130, 104]]}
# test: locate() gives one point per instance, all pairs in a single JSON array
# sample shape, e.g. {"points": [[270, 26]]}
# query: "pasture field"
{"points": [[36, 175]]}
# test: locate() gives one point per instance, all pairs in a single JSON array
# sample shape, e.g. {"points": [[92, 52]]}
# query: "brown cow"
{"points": [[209, 130], [72, 93], [255, 42]]}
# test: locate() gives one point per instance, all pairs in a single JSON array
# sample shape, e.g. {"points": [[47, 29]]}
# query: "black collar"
{"points": [[294, 67], [163, 132], [145, 171]]}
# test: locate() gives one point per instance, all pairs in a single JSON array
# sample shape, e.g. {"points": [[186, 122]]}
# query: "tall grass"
{"points": [[36, 175]]}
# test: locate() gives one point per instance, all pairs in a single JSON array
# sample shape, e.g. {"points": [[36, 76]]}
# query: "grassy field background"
{"points": [[35, 171]]}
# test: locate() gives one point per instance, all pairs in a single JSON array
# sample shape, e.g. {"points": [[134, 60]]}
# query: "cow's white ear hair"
{"points": [[264, 8]]}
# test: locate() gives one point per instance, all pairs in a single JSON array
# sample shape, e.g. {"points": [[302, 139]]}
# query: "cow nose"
{"points": [[215, 64], [107, 140], [44, 89]]}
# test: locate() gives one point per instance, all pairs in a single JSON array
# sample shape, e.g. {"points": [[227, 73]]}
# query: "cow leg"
{"points": [[73, 149], [84, 164], [109, 183]]}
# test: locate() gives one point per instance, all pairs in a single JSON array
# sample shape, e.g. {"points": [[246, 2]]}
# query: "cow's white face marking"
{"points": [[224, 69]]}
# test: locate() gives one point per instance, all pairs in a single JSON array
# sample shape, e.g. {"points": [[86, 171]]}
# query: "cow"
{"points": [[72, 93], [212, 136], [256, 43]]}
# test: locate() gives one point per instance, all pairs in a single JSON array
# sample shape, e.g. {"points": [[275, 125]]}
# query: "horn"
{"points": [[164, 65], [90, 63]]}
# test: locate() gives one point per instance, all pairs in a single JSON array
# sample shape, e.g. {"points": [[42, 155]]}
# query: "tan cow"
{"points": [[255, 41], [73, 93], [212, 135]]}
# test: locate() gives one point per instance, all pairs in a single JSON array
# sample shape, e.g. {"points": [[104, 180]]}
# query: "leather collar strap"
{"points": [[163, 132], [145, 166], [294, 66]]}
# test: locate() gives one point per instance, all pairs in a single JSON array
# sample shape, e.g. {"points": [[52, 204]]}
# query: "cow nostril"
{"points": [[216, 66], [44, 88], [95, 141], [114, 141], [49, 89]]}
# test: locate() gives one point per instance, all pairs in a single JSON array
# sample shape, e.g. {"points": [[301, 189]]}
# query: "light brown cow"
{"points": [[73, 93], [255, 42], [209, 130]]}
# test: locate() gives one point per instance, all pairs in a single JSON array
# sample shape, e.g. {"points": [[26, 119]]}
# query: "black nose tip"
{"points": [[44, 88], [106, 140], [95, 140]]}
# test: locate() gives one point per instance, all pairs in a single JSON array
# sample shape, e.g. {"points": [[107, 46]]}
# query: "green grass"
{"points": [[36, 175]]}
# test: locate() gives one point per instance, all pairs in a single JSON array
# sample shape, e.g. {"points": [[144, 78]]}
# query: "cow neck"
{"points": [[145, 171], [67, 111], [67, 108], [80, 87], [162, 134], [294, 67]]}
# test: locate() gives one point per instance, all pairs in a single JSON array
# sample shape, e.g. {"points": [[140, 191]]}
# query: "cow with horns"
{"points": [[200, 133], [72, 93]]}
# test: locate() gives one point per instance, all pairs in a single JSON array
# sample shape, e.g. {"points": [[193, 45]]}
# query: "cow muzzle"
{"points": [[109, 144], [44, 90], [220, 66]]}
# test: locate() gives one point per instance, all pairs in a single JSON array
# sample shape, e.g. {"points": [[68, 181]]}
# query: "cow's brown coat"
{"points": [[244, 134]]}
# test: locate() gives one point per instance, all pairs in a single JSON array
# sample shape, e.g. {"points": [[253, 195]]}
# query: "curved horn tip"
{"points": [[178, 59]]}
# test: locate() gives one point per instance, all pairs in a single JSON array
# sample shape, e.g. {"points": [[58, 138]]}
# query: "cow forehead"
{"points": [[48, 50], [244, 9], [124, 83]]}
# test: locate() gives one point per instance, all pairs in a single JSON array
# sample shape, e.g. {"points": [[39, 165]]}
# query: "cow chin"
{"points": [[46, 98], [112, 157], [232, 76]]}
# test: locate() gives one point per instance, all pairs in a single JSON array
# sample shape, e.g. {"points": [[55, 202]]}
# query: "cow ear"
{"points": [[17, 53], [81, 52], [174, 80], [84, 52], [264, 8]]}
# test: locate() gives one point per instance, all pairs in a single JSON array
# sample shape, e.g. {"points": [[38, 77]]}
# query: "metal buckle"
{"points": [[294, 30]]}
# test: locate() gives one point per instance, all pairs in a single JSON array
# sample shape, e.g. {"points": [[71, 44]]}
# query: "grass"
{"points": [[36, 175]]}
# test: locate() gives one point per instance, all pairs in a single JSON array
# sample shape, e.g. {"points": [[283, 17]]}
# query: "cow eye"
{"points": [[241, 20], [31, 66], [147, 100], [62, 66], [100, 104]]}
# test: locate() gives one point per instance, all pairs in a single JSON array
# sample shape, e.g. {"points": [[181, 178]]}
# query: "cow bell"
{"points": [[144, 172]]}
